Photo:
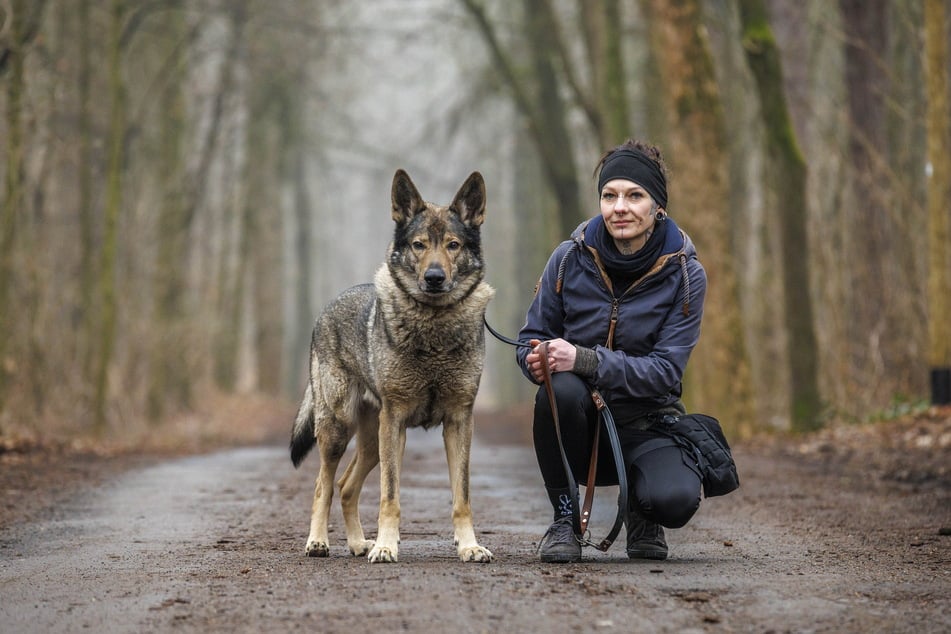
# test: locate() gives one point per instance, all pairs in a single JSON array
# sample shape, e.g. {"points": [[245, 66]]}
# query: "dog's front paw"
{"points": [[476, 553], [317, 549], [382, 554], [360, 548]]}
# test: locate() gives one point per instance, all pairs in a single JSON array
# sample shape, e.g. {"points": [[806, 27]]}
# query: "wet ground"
{"points": [[815, 540]]}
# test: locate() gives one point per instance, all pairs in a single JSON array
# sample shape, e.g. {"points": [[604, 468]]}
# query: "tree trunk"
{"points": [[107, 268], [263, 251], [601, 21], [14, 188], [540, 103], [303, 248], [87, 219], [877, 362], [718, 375], [552, 138], [198, 186], [170, 377], [234, 287], [786, 178], [939, 201], [232, 280]]}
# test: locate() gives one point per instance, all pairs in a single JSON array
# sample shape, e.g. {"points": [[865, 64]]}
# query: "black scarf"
{"points": [[625, 269]]}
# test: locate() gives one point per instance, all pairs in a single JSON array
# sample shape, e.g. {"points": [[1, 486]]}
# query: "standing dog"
{"points": [[405, 351]]}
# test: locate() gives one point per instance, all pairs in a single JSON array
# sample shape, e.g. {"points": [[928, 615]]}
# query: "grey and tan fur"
{"points": [[405, 351]]}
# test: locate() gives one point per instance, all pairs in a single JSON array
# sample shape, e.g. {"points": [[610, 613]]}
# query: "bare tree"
{"points": [[718, 377], [19, 27], [786, 176], [169, 374], [87, 220], [877, 356], [601, 28], [12, 55], [537, 94], [939, 200], [110, 246]]}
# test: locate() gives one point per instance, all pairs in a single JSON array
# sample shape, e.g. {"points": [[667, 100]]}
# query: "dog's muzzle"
{"points": [[434, 280]]}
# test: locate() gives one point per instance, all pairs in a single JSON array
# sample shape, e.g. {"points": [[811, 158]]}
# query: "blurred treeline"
{"points": [[187, 182]]}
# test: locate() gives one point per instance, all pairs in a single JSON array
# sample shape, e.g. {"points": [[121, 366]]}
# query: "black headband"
{"points": [[638, 168]]}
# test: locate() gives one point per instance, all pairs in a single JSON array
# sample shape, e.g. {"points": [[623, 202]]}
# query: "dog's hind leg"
{"points": [[457, 436], [332, 438], [351, 483]]}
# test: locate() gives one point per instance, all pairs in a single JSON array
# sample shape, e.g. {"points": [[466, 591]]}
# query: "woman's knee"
{"points": [[673, 507], [665, 488]]}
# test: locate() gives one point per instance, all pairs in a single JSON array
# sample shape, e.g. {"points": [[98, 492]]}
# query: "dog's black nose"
{"points": [[434, 277]]}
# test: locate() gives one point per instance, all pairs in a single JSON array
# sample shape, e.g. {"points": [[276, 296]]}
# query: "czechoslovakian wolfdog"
{"points": [[405, 351]]}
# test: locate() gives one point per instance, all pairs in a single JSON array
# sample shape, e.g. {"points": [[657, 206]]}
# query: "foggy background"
{"points": [[187, 182]]}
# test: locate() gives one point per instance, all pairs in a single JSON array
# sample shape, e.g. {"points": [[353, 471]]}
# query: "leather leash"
{"points": [[580, 519]]}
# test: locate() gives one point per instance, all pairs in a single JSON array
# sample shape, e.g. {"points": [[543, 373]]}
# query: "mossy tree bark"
{"points": [[537, 94], [880, 358], [718, 375], [939, 200], [786, 178], [110, 243], [601, 22], [13, 193], [87, 216]]}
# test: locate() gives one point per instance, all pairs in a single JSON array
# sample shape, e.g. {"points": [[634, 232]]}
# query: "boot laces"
{"points": [[560, 532]]}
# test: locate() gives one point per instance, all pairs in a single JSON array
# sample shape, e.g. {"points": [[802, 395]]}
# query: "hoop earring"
{"points": [[660, 215]]}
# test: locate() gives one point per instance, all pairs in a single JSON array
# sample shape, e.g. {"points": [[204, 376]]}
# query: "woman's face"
{"points": [[628, 212]]}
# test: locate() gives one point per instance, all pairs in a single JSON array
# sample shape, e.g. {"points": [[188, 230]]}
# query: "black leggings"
{"points": [[663, 482]]}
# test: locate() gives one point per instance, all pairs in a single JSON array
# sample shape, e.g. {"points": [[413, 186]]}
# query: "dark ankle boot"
{"points": [[559, 544], [645, 539]]}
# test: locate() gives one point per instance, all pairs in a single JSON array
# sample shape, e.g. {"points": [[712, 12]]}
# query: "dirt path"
{"points": [[214, 543]]}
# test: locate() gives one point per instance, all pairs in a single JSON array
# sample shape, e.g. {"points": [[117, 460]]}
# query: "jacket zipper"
{"points": [[615, 301], [609, 344]]}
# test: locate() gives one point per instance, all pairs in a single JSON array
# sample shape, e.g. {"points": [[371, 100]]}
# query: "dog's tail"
{"points": [[302, 434]]}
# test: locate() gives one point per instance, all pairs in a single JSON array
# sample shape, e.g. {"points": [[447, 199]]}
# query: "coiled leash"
{"points": [[580, 519]]}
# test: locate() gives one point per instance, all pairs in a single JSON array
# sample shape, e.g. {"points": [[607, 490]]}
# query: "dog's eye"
{"points": [[454, 245], [418, 245]]}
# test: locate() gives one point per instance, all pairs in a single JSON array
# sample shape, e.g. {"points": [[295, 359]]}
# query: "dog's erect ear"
{"points": [[406, 199], [469, 202]]}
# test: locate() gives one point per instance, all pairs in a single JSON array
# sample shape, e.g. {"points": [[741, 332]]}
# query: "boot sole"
{"points": [[647, 554]]}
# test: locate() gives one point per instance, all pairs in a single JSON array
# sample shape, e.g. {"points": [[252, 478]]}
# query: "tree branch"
{"points": [[501, 60], [34, 19]]}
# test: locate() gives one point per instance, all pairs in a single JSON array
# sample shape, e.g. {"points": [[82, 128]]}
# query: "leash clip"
{"points": [[598, 400]]}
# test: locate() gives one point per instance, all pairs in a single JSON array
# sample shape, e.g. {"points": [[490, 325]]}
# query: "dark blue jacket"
{"points": [[656, 320]]}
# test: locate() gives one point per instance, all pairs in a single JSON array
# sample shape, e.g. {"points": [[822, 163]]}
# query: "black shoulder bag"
{"points": [[702, 436]]}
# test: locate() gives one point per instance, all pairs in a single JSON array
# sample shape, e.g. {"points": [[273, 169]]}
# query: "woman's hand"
{"points": [[561, 358]]}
